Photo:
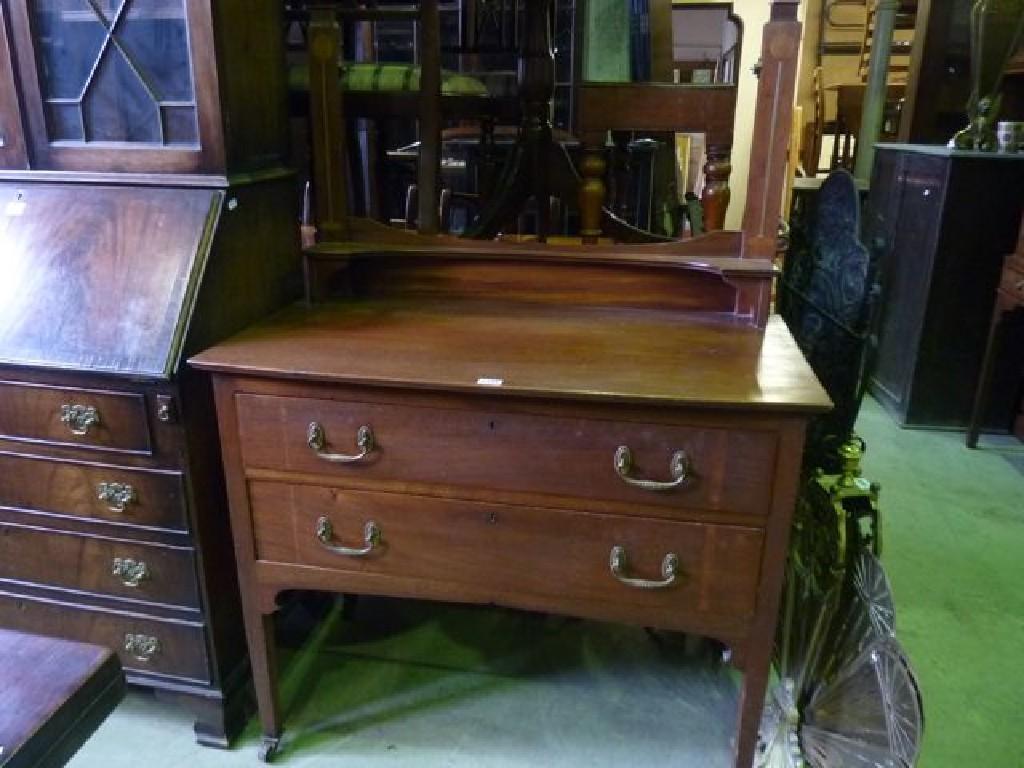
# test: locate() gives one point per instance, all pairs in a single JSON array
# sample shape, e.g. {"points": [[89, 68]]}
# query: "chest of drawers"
{"points": [[607, 463], [113, 520]]}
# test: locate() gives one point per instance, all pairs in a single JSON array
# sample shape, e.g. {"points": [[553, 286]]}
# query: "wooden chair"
{"points": [[329, 131], [421, 93], [655, 107], [340, 234]]}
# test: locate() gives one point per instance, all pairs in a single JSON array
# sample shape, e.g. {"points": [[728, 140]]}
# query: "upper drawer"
{"points": [[142, 497], [108, 421], [726, 469]]}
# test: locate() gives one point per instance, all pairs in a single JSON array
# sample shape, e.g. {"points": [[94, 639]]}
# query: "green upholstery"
{"points": [[390, 78]]}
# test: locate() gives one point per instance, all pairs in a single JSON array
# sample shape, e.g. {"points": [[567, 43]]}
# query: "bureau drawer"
{"points": [[149, 572], [112, 421], [726, 469], [150, 498], [509, 552], [145, 644]]}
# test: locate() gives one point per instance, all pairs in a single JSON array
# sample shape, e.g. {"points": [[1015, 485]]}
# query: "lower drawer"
{"points": [[151, 572], [508, 552], [145, 644]]}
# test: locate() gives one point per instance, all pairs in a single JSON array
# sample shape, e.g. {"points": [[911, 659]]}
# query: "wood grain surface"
{"points": [[581, 353], [492, 449], [50, 487], [100, 278], [182, 650], [80, 562], [515, 553], [32, 413], [55, 694]]}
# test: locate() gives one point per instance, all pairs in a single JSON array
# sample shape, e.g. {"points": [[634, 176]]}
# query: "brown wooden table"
{"points": [[53, 695], [606, 435]]}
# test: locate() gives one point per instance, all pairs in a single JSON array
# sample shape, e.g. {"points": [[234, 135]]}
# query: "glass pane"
{"points": [[122, 66], [65, 121], [117, 106], [69, 36], [156, 38], [180, 125]]}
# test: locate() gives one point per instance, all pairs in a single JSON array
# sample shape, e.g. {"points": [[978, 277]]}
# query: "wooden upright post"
{"points": [[772, 125], [330, 176], [877, 89], [716, 195], [429, 175]]}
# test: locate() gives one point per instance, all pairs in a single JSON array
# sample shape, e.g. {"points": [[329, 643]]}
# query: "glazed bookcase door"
{"points": [[12, 138], [118, 85]]}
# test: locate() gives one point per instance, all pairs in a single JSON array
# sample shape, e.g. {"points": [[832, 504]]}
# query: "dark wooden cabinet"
{"points": [[145, 213], [142, 86], [941, 222], [113, 527]]}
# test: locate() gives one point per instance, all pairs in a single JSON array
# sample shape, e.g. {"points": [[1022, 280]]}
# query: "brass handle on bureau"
{"points": [[117, 495], [316, 439], [130, 572], [141, 647], [325, 535], [79, 418], [618, 563], [679, 468]]}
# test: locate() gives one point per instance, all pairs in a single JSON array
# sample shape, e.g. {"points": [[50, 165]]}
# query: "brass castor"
{"points": [[268, 748]]}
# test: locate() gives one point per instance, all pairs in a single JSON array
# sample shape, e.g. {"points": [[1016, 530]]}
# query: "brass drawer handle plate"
{"points": [[316, 438], [141, 647], [117, 495], [131, 572], [619, 565], [679, 469], [79, 418], [325, 535]]}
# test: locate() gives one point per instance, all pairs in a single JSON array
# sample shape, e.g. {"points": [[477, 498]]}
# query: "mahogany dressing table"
{"points": [[613, 434]]}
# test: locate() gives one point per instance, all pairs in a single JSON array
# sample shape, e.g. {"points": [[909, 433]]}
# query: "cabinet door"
{"points": [[118, 85], [12, 138]]}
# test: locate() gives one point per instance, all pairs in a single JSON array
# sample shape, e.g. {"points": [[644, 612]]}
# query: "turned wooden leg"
{"points": [[592, 192], [715, 198]]}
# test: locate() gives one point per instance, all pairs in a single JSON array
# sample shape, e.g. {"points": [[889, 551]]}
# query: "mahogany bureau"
{"points": [[147, 210], [505, 432]]}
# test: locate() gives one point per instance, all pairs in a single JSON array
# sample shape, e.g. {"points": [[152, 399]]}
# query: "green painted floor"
{"points": [[424, 685]]}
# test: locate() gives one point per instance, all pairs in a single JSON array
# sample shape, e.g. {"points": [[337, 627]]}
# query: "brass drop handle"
{"points": [[79, 418], [619, 564], [141, 647], [117, 495], [316, 438], [679, 469], [131, 572], [325, 535]]}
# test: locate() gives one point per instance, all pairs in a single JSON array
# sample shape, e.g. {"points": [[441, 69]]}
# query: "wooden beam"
{"points": [[772, 126]]}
